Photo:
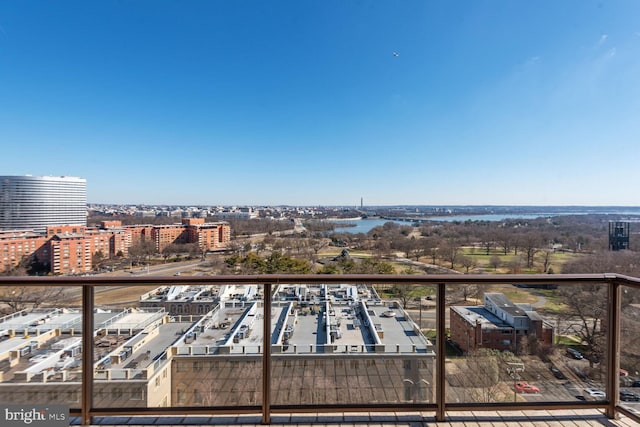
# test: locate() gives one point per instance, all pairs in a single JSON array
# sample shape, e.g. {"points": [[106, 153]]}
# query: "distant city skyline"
{"points": [[305, 103]]}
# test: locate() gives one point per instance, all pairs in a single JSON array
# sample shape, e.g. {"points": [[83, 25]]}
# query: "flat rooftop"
{"points": [[46, 344], [317, 319]]}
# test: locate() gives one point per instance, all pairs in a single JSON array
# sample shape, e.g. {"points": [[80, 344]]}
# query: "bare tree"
{"points": [[530, 243], [404, 292], [17, 298], [416, 248], [484, 374], [515, 265], [546, 260], [450, 251], [318, 244], [586, 311], [467, 262], [488, 243], [461, 292], [495, 262], [141, 251]]}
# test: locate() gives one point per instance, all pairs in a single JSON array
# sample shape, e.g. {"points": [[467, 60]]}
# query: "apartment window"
{"points": [[73, 396], [53, 395], [197, 366], [197, 398], [180, 396]]}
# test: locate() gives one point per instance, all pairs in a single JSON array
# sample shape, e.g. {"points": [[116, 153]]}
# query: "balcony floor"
{"points": [[533, 418]]}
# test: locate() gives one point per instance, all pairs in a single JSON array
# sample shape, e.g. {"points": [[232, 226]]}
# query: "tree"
{"points": [[462, 292], [530, 243], [467, 262], [488, 243], [17, 298], [254, 264], [318, 244], [483, 374], [374, 266], [404, 292], [170, 250], [515, 266], [586, 310], [98, 259], [416, 248], [546, 260], [504, 238], [235, 248], [141, 251], [495, 262], [278, 263], [450, 251]]}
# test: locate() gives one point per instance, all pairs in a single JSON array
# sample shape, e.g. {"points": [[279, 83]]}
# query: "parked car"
{"points": [[523, 387], [574, 353], [595, 393], [635, 384], [628, 396], [558, 373]]}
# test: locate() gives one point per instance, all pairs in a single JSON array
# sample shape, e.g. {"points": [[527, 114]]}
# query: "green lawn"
{"points": [[557, 259]]}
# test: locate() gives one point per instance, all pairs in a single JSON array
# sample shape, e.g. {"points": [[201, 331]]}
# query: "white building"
{"points": [[35, 202]]}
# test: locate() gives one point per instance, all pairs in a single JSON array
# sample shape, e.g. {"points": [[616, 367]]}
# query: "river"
{"points": [[365, 225]]}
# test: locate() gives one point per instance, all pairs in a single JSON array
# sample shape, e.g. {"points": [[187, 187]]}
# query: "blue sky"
{"points": [[304, 103]]}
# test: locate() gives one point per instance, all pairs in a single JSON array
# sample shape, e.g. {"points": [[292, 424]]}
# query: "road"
{"points": [[75, 293], [428, 315]]}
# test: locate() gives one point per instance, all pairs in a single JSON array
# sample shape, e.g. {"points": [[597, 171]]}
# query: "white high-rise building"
{"points": [[35, 202]]}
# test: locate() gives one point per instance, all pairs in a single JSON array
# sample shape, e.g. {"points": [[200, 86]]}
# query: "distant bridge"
{"points": [[406, 219]]}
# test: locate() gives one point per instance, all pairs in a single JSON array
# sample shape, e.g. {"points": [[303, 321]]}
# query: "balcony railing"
{"points": [[376, 375]]}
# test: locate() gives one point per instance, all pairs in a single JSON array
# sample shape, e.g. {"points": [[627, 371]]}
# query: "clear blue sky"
{"points": [[304, 102]]}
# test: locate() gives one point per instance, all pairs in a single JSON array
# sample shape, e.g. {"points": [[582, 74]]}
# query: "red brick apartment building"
{"points": [[498, 324], [15, 245], [69, 249]]}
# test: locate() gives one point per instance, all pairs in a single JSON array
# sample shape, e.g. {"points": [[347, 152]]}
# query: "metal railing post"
{"points": [[266, 356], [440, 353], [613, 345], [87, 354]]}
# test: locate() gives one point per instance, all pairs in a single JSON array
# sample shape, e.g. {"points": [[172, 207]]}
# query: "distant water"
{"points": [[365, 225], [362, 225]]}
